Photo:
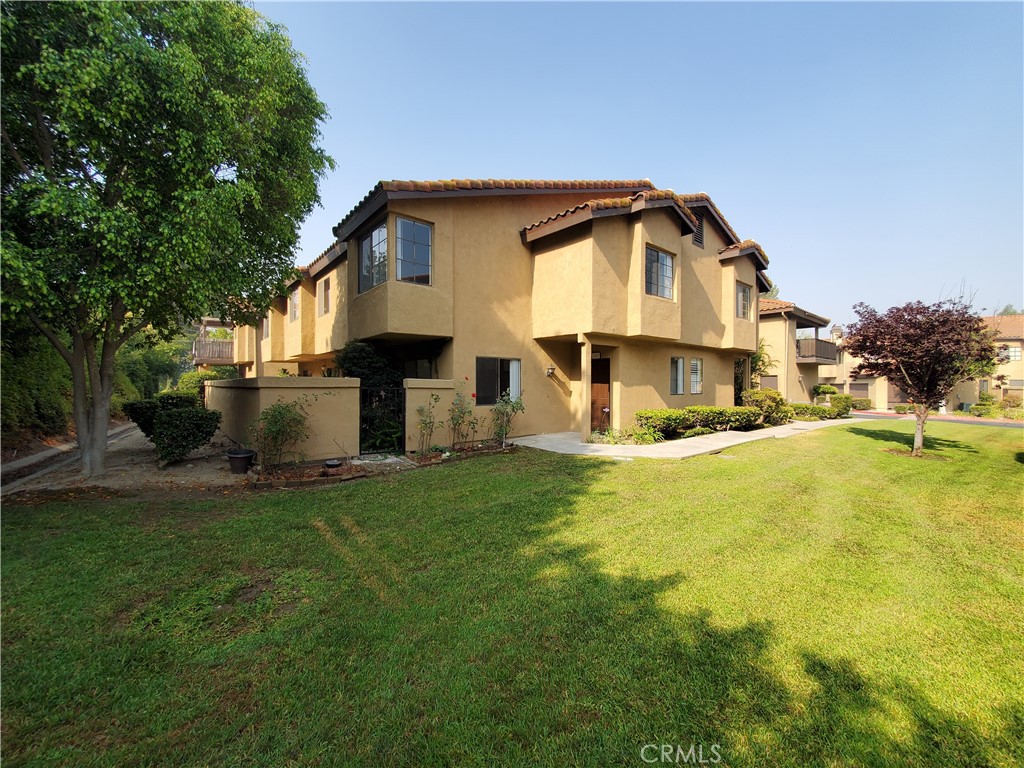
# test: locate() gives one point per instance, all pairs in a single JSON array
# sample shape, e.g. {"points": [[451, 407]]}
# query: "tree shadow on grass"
{"points": [[461, 617], [931, 443]]}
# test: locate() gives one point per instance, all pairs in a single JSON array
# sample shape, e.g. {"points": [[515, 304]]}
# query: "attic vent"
{"points": [[698, 234]]}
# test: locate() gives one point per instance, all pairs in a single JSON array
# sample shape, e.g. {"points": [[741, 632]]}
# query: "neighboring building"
{"points": [[884, 394], [799, 361], [1009, 331], [209, 350], [591, 298]]}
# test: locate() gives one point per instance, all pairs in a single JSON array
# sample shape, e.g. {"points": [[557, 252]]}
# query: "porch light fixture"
{"points": [[550, 371]]}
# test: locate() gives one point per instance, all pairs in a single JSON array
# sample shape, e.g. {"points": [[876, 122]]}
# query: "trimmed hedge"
{"points": [[862, 404], [179, 431], [672, 422], [819, 412], [143, 412], [843, 404], [190, 381], [772, 406]]}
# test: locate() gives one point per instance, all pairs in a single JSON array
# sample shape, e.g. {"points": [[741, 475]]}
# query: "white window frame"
{"points": [[677, 376], [659, 283], [515, 379], [696, 375], [323, 296], [744, 296], [1013, 353]]}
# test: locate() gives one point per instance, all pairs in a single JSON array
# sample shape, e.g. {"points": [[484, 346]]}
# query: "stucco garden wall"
{"points": [[332, 405]]}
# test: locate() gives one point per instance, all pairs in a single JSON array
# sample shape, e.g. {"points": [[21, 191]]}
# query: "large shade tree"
{"points": [[157, 160], [924, 349]]}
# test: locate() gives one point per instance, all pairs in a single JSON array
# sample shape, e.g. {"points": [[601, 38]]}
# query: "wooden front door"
{"points": [[600, 394]]}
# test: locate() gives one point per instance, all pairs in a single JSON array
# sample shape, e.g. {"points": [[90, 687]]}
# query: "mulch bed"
{"points": [[307, 475], [466, 452]]}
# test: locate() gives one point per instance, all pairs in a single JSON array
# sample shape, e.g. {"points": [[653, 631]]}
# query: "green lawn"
{"points": [[819, 600]]}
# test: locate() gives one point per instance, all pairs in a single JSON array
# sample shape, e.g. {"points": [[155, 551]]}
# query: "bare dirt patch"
{"points": [[133, 471]]}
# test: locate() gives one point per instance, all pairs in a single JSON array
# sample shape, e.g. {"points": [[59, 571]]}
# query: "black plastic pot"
{"points": [[240, 460]]}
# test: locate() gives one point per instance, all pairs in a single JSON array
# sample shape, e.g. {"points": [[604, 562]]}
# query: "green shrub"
{"points": [[861, 404], [631, 435], [986, 398], [35, 389], [279, 428], [502, 414], [1017, 414], [697, 432], [673, 422], [823, 389], [1010, 401], [179, 431], [143, 412], [173, 399], [808, 411], [986, 411], [771, 405], [668, 422], [902, 408], [843, 404], [189, 382]]}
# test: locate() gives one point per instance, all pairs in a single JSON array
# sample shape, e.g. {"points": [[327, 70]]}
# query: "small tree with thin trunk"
{"points": [[924, 349]]}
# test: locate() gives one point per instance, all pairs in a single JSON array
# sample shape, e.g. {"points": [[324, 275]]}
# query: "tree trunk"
{"points": [[92, 387], [921, 412]]}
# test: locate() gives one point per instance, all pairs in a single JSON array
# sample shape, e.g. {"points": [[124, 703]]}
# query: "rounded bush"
{"points": [[179, 431]]}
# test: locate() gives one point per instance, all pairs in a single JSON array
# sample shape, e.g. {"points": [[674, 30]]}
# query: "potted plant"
{"points": [[241, 459]]}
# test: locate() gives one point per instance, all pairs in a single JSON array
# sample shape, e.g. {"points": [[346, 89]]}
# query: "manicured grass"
{"points": [[811, 601]]}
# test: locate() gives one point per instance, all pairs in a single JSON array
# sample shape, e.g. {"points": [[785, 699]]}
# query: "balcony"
{"points": [[213, 352], [815, 352]]}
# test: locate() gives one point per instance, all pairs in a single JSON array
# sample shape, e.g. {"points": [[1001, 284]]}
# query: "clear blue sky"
{"points": [[876, 151]]}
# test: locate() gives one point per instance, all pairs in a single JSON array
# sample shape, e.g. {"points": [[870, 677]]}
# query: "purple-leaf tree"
{"points": [[924, 349]]}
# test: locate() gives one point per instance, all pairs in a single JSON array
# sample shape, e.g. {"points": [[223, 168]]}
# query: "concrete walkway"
{"points": [[569, 442]]}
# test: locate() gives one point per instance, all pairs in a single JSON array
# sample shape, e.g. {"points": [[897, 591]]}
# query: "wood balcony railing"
{"points": [[213, 351], [815, 351]]}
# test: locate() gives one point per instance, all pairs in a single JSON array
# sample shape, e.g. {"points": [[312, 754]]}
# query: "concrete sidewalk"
{"points": [[569, 442]]}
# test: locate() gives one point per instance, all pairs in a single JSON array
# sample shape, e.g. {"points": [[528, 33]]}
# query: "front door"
{"points": [[600, 394]]}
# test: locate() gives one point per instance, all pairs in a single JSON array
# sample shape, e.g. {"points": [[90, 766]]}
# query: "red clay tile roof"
{"points": [[774, 305], [777, 306], [617, 203], [451, 185], [739, 248], [1006, 326], [490, 186], [702, 198]]}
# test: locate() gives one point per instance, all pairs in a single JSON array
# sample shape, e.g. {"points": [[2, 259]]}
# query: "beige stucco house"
{"points": [[592, 299], [1009, 330], [799, 360]]}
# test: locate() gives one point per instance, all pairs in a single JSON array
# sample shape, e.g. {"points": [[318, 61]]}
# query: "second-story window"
{"points": [[413, 242], [743, 294], [323, 297], [293, 306], [373, 258], [659, 273], [265, 327]]}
